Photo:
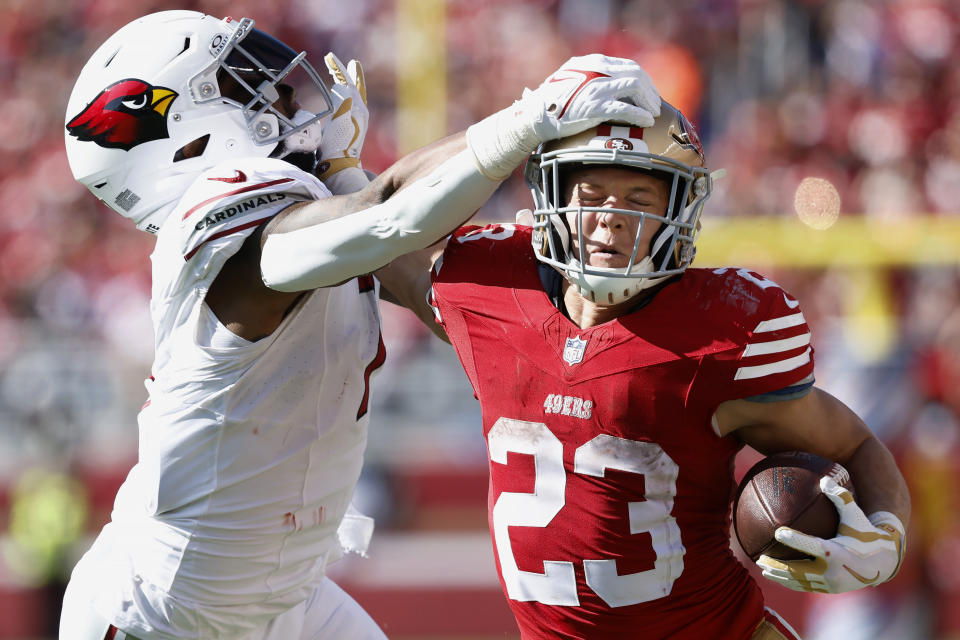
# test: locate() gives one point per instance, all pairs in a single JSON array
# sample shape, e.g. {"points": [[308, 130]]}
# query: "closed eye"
{"points": [[585, 196]]}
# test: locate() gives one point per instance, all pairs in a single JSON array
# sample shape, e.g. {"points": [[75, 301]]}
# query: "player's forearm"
{"points": [[418, 164], [877, 480], [404, 171], [414, 216]]}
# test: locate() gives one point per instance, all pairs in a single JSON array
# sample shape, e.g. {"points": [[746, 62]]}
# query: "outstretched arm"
{"points": [[404, 171], [420, 199], [322, 243]]}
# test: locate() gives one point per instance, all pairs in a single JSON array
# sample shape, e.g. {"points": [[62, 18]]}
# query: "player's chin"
{"points": [[608, 260]]}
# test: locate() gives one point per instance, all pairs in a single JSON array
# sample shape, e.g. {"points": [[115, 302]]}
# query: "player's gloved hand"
{"points": [[584, 92], [344, 132], [866, 551], [612, 88]]}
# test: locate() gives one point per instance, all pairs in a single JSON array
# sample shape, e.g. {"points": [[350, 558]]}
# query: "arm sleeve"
{"points": [[414, 218]]}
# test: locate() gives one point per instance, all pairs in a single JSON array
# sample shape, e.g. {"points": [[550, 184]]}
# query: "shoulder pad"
{"points": [[472, 244], [732, 296], [750, 293], [237, 195], [771, 349], [484, 235], [483, 254]]}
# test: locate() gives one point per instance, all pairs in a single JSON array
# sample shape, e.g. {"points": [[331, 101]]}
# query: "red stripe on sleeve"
{"points": [[226, 232], [366, 283], [375, 364], [252, 187]]}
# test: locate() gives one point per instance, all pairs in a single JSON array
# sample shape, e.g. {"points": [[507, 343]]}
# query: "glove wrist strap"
{"points": [[345, 179], [330, 166], [891, 524]]}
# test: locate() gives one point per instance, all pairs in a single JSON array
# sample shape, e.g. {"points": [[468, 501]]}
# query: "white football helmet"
{"points": [[155, 86], [669, 149]]}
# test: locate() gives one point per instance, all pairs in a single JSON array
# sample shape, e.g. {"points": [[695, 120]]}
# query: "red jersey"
{"points": [[610, 490]]}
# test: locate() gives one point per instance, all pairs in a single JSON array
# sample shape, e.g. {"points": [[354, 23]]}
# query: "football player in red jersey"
{"points": [[616, 387]]}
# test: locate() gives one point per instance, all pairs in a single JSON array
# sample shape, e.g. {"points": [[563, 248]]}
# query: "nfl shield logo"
{"points": [[573, 350]]}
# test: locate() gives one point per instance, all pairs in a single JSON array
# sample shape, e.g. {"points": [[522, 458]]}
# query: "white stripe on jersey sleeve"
{"points": [[745, 373], [783, 322], [776, 346], [432, 301]]}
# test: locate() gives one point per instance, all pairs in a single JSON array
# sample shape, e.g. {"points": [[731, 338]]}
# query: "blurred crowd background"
{"points": [[859, 98]]}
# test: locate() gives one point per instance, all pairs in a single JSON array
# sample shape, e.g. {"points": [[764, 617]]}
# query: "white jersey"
{"points": [[249, 451]]}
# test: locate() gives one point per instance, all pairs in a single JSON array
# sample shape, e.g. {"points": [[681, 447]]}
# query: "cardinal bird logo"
{"points": [[125, 114]]}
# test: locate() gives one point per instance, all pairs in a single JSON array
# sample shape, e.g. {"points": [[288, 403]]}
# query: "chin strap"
{"points": [[606, 291]]}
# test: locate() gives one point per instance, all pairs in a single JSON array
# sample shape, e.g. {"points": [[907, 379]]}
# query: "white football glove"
{"points": [[584, 92], [865, 552], [344, 131]]}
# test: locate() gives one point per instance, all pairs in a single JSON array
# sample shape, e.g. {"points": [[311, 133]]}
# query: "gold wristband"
{"points": [[327, 168]]}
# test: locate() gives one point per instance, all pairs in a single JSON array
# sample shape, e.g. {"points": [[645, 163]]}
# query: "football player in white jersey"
{"points": [[252, 437]]}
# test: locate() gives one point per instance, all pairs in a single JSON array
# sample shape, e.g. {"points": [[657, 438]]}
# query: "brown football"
{"points": [[784, 490]]}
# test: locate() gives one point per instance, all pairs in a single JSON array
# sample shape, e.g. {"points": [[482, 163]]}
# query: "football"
{"points": [[784, 490]]}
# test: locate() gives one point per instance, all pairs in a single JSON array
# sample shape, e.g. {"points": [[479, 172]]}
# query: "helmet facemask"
{"points": [[672, 247], [251, 73]]}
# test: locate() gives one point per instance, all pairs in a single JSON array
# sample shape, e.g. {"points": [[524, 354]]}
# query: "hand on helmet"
{"points": [[584, 92], [865, 552], [344, 132], [589, 90]]}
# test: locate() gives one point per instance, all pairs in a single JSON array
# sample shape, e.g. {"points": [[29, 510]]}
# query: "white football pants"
{"points": [[328, 614]]}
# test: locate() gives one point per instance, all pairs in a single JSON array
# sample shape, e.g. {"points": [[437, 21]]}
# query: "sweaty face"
{"points": [[608, 236]]}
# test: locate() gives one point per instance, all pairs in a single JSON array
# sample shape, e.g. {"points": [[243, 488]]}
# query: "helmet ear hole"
{"points": [[192, 149]]}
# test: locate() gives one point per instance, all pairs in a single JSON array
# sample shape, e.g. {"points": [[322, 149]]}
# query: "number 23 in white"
{"points": [[557, 584]]}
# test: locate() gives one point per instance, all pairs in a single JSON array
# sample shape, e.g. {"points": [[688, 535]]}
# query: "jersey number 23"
{"points": [[557, 584]]}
